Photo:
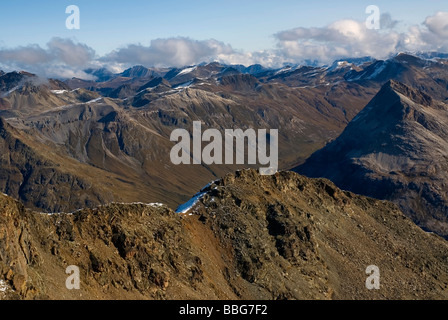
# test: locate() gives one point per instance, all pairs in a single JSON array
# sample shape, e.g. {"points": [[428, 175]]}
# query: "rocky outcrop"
{"points": [[247, 237]]}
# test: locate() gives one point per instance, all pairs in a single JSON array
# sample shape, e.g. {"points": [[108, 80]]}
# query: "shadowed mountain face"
{"points": [[395, 149], [247, 237]]}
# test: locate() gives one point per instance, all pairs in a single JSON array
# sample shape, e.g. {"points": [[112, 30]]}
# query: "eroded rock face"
{"points": [[123, 251], [249, 237]]}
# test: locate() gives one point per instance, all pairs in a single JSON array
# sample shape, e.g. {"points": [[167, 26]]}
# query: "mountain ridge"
{"points": [[290, 237]]}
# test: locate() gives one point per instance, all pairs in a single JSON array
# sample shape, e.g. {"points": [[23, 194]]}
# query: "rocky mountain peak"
{"points": [[395, 103], [137, 72], [413, 94], [395, 149]]}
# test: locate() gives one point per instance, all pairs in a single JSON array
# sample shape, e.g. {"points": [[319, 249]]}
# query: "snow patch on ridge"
{"points": [[377, 71], [208, 185], [186, 71], [58, 91], [154, 205], [184, 208], [185, 85], [9, 92], [94, 100]]}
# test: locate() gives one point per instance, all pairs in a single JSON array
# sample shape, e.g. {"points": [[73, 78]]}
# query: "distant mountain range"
{"points": [[120, 128]]}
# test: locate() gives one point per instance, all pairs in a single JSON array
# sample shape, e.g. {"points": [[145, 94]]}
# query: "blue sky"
{"points": [[247, 26]]}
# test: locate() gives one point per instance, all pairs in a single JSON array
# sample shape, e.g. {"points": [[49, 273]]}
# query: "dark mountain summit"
{"points": [[395, 149], [8, 81], [138, 72]]}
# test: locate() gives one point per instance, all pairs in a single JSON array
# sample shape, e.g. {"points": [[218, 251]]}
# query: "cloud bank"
{"points": [[61, 58], [170, 52], [65, 58], [350, 38]]}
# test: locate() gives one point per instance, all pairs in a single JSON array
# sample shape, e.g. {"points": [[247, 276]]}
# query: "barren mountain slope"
{"points": [[247, 237]]}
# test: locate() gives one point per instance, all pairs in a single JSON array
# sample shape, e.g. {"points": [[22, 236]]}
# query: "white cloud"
{"points": [[267, 58], [61, 58], [386, 21], [343, 38], [29, 55], [180, 52], [174, 52], [351, 38], [438, 24], [70, 53]]}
